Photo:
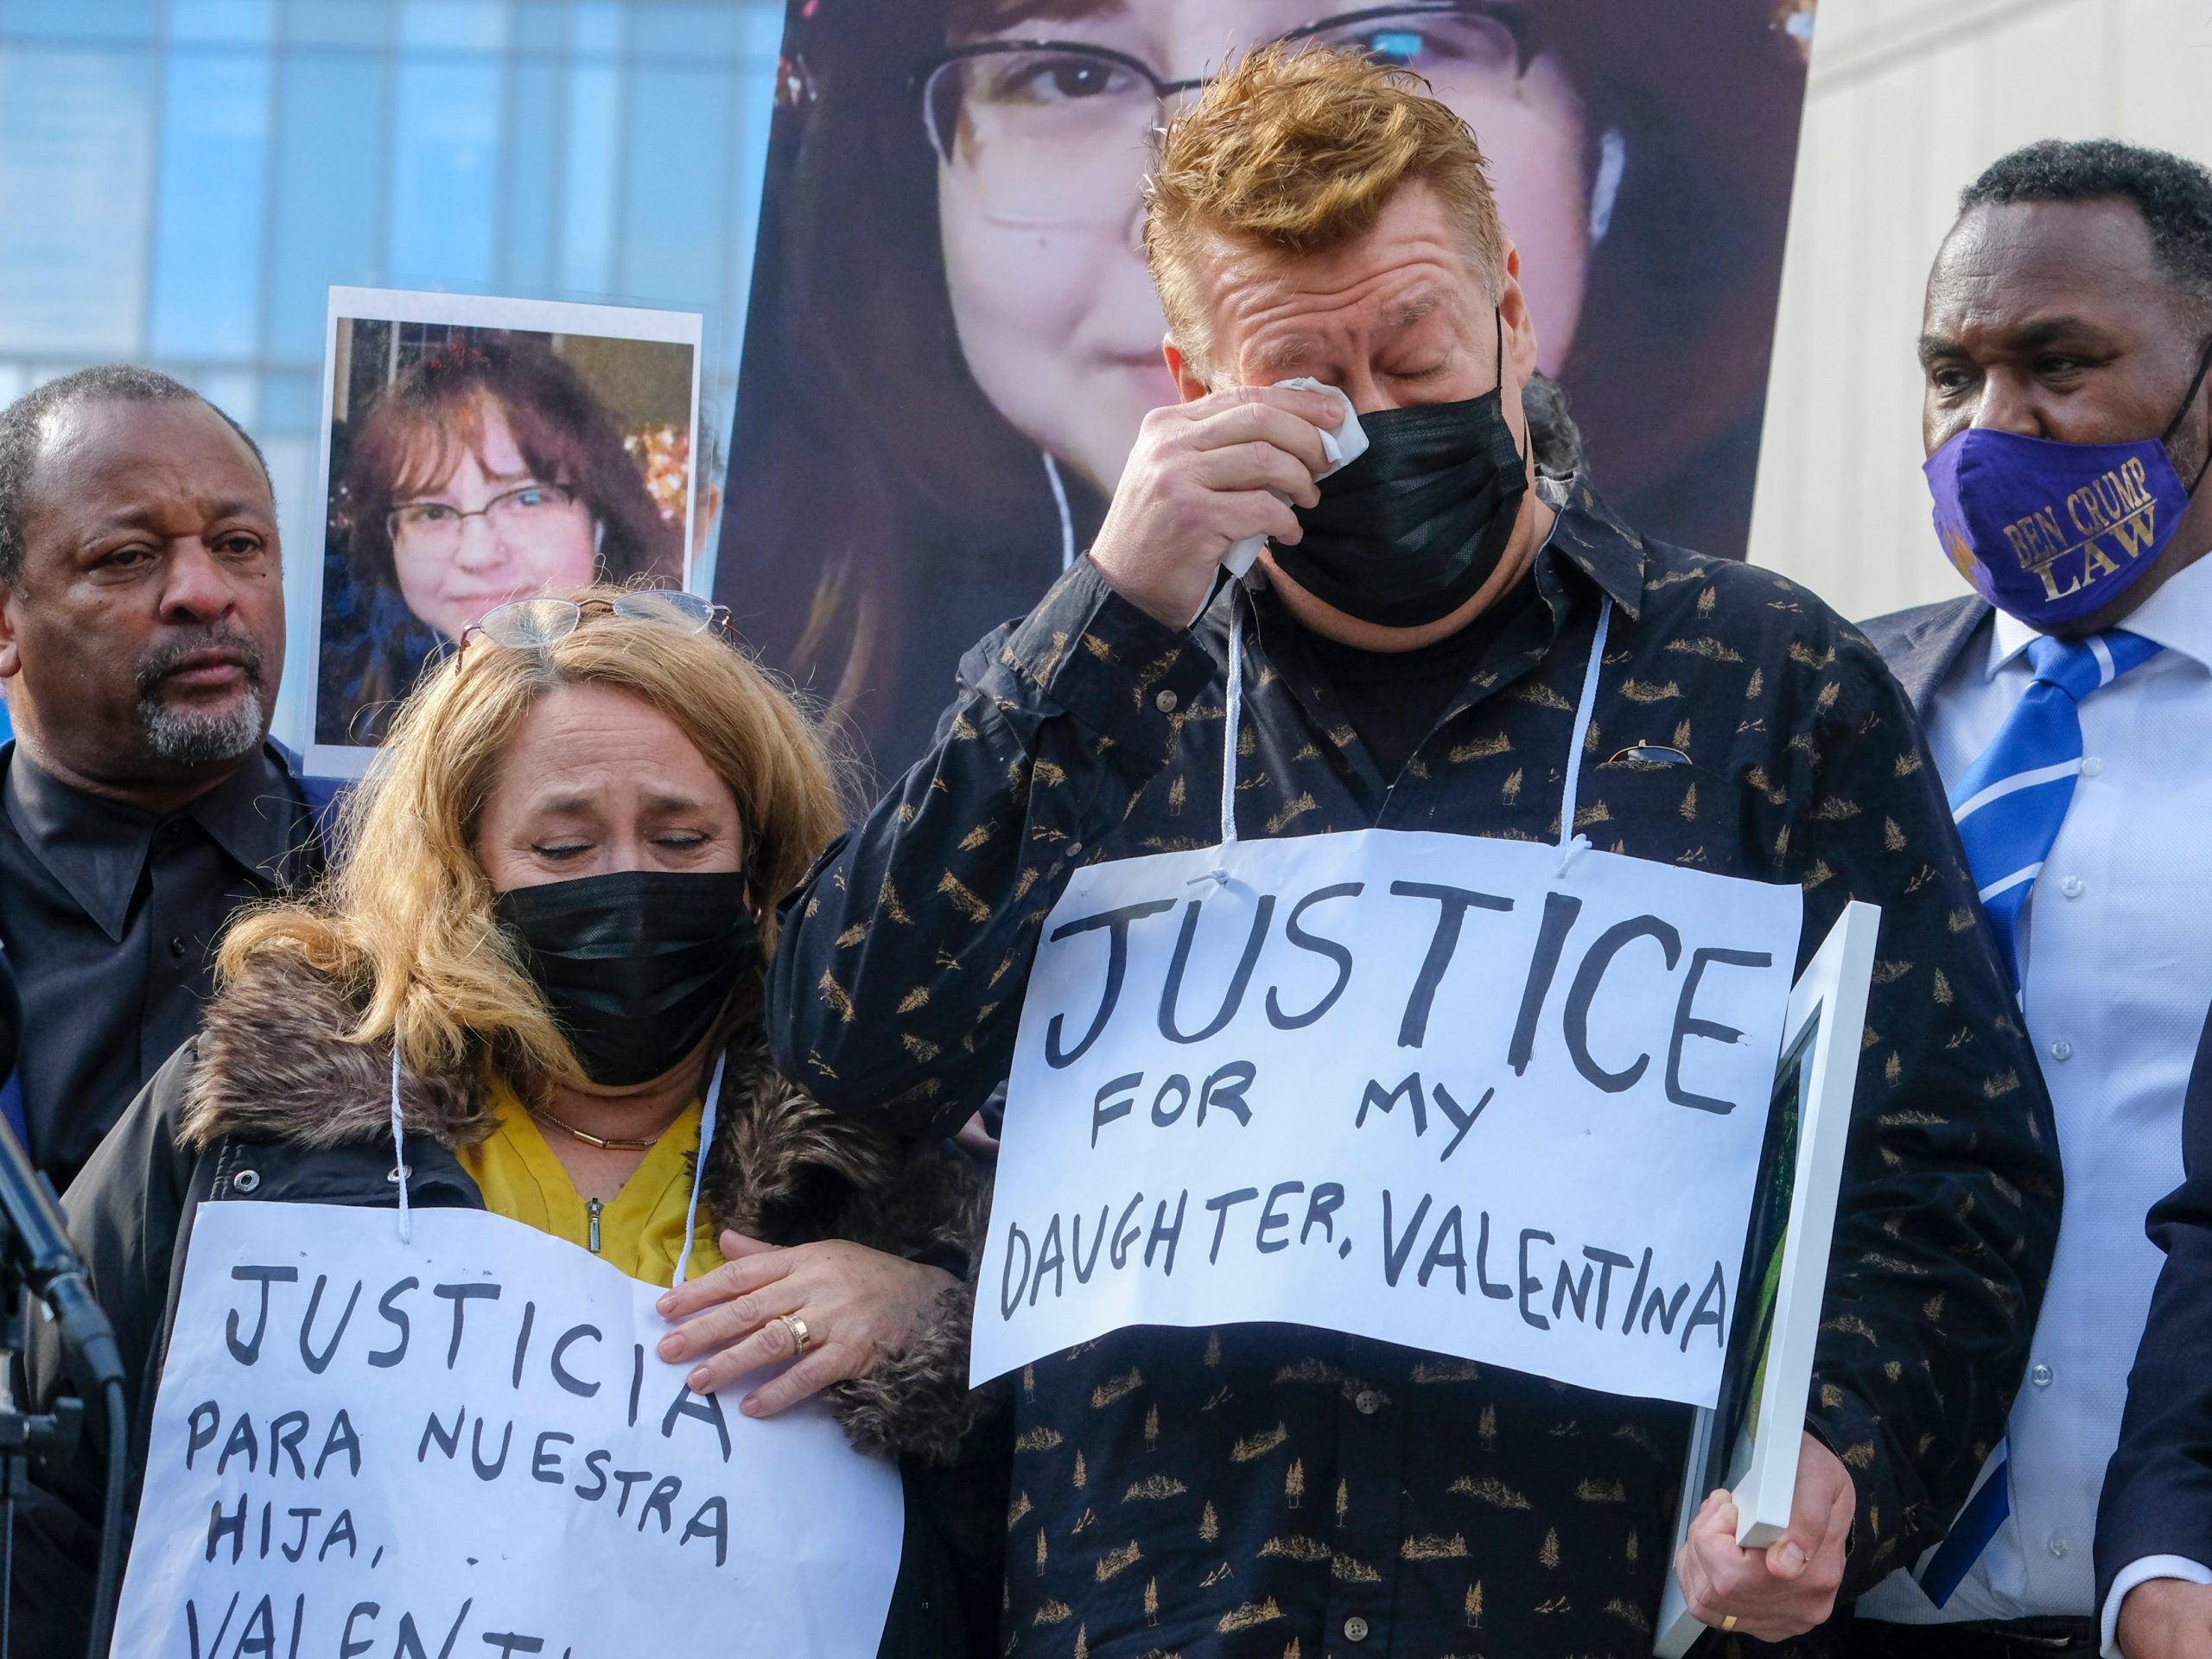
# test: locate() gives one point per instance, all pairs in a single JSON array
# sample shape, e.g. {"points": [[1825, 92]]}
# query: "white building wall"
{"points": [[1907, 101]]}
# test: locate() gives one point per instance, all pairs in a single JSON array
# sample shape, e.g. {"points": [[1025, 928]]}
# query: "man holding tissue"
{"points": [[1413, 650]]}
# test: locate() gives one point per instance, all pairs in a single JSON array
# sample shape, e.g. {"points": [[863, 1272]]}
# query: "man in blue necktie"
{"points": [[2066, 338]]}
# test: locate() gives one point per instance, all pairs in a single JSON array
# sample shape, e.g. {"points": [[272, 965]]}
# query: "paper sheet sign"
{"points": [[467, 1446], [1422, 1087]]}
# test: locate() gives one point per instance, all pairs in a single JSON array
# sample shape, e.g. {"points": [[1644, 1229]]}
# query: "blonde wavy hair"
{"points": [[1297, 148], [402, 921]]}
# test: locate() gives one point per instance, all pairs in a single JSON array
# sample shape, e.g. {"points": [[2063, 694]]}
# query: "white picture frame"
{"points": [[556, 320], [1820, 1069]]}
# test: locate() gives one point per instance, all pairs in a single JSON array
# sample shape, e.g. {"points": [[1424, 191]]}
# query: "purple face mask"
{"points": [[2052, 532]]}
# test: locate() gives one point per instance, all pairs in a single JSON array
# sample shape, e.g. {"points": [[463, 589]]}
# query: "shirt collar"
{"points": [[1587, 534], [2178, 616], [258, 818], [96, 848]]}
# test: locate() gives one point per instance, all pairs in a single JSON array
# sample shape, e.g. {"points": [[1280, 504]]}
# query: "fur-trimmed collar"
{"points": [[274, 1066]]}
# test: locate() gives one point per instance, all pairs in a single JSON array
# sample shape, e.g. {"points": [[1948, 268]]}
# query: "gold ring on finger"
{"points": [[800, 1340], [1727, 1624]]}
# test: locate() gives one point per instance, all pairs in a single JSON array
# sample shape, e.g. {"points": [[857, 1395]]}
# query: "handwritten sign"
{"points": [[1422, 1088], [466, 1445]]}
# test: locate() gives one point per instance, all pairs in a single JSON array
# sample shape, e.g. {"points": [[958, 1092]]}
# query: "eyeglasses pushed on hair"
{"points": [[535, 623]]}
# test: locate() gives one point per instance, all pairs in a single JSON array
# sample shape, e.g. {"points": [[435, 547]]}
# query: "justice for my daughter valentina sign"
{"points": [[466, 1445], [1429, 1089]]}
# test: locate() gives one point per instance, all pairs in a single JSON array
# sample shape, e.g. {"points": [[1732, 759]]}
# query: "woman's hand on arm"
{"points": [[857, 1305]]}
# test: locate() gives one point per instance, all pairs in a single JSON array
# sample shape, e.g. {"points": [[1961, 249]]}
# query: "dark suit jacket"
{"points": [[2157, 1496], [1921, 645]]}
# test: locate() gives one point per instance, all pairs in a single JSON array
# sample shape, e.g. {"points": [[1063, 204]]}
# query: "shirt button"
{"points": [[1369, 1401], [2073, 886], [2041, 1375], [176, 948], [2058, 1547], [1355, 1629], [2090, 767], [2062, 1050], [1165, 702]]}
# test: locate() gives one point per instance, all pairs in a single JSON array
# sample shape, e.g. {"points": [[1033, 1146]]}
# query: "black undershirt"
{"points": [[1394, 699]]}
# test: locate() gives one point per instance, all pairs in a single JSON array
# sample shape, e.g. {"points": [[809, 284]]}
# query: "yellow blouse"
{"points": [[522, 1179]]}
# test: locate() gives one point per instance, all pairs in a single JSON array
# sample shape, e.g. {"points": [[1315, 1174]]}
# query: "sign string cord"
{"points": [[399, 1170], [1232, 718], [1569, 842], [699, 1166]]}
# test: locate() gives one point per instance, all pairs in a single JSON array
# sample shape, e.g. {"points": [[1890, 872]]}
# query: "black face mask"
{"points": [[634, 967], [1412, 529]]}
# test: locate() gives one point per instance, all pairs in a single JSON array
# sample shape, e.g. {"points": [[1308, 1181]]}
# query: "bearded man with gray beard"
{"points": [[142, 638]]}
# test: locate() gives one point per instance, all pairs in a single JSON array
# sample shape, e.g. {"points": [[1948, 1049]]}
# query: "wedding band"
{"points": [[1728, 1625], [797, 1326]]}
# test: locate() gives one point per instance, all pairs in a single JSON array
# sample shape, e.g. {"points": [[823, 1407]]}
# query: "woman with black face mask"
{"points": [[538, 962]]}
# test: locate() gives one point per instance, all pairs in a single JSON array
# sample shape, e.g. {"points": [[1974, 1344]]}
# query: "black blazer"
{"points": [[1921, 645], [2157, 1496]]}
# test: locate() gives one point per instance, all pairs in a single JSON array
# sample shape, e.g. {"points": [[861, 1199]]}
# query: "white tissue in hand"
{"points": [[1343, 446]]}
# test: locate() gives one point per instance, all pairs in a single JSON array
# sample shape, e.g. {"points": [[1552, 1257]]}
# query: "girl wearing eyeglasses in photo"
{"points": [[954, 338], [486, 471]]}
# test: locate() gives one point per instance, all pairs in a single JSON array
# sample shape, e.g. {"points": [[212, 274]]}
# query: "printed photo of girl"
{"points": [[471, 464]]}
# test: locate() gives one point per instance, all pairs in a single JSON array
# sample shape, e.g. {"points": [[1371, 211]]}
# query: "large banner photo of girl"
{"points": [[953, 340], [479, 450]]}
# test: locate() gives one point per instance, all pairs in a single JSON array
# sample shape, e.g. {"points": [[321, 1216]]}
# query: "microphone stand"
{"points": [[38, 1259], [51, 1438]]}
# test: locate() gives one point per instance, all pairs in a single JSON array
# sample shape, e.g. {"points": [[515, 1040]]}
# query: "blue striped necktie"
{"points": [[2010, 801], [2009, 806]]}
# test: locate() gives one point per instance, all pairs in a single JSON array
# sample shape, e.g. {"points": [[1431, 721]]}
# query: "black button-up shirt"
{"points": [[1271, 1489], [109, 915]]}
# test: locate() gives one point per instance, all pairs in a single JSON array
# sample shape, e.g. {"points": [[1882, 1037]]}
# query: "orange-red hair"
{"points": [[1297, 149]]}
